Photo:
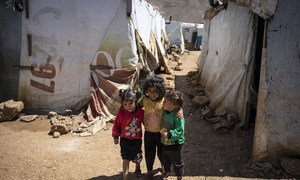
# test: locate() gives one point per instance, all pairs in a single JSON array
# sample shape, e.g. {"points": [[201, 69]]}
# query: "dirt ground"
{"points": [[28, 152]]}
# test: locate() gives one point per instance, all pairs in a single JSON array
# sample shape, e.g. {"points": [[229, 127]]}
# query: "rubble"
{"points": [[201, 101], [10, 109], [28, 118]]}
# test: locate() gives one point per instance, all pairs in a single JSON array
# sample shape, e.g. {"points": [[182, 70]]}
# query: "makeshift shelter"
{"points": [[174, 32], [248, 63], [190, 35], [77, 52]]}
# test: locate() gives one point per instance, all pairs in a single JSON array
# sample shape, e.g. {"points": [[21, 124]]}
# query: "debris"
{"points": [[201, 101], [28, 118], [232, 119], [222, 127], [178, 68], [192, 73], [10, 109], [61, 124], [56, 134], [214, 120], [206, 113], [51, 114]]}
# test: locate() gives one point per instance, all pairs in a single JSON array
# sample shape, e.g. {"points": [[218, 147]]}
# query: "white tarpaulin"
{"points": [[226, 66], [174, 31], [228, 63], [65, 38], [73, 49]]}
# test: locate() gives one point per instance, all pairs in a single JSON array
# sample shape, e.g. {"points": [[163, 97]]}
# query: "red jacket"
{"points": [[128, 124]]}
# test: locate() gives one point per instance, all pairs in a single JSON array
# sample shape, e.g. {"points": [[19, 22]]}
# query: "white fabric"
{"points": [[147, 20], [225, 72], [69, 32], [72, 35], [174, 31]]}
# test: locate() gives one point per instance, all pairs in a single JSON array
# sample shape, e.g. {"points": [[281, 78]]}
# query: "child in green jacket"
{"points": [[172, 134]]}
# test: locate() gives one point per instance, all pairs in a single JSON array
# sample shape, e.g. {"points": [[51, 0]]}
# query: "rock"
{"points": [[206, 113], [52, 114], [201, 101], [192, 73], [56, 134], [214, 120], [170, 85], [178, 68], [10, 109], [28, 118], [61, 124], [232, 118], [170, 78]]}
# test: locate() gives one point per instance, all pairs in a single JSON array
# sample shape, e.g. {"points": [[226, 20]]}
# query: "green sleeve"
{"points": [[178, 130]]}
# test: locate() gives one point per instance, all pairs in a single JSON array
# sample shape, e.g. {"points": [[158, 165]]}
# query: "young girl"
{"points": [[154, 91], [128, 127]]}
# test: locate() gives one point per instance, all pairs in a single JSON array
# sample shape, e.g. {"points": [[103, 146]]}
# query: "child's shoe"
{"points": [[138, 172]]}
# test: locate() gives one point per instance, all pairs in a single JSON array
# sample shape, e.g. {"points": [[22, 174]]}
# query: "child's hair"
{"points": [[128, 95], [157, 82], [175, 97]]}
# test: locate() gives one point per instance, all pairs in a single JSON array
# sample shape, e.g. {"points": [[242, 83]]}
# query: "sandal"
{"points": [[138, 172]]}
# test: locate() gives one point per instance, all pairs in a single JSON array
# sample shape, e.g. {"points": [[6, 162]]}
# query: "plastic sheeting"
{"points": [[174, 31], [65, 38], [228, 63], [84, 51]]}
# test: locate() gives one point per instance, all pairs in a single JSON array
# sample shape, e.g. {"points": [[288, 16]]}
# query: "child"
{"points": [[154, 91], [127, 125], [172, 133]]}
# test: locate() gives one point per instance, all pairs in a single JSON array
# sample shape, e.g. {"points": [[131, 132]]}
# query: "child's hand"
{"points": [[164, 133], [179, 113], [116, 140]]}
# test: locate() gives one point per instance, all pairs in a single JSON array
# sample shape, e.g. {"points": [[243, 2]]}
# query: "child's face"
{"points": [[168, 106], [153, 93], [129, 105]]}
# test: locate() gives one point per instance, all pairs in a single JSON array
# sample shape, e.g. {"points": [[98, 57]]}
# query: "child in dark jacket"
{"points": [[128, 126]]}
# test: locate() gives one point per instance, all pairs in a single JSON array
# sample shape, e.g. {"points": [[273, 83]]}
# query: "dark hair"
{"points": [[128, 95], [157, 82], [175, 97]]}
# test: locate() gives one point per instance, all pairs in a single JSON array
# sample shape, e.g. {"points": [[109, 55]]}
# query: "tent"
{"points": [[76, 53], [174, 31], [250, 60], [190, 35]]}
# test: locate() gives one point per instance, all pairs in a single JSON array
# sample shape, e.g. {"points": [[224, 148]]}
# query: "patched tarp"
{"points": [[226, 66], [228, 59]]}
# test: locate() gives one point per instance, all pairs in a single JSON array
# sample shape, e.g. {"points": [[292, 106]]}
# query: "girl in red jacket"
{"points": [[128, 126]]}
